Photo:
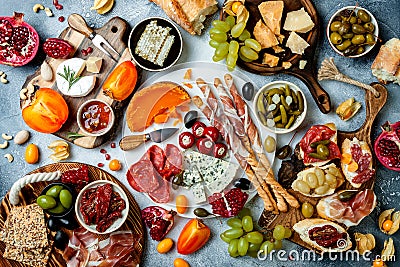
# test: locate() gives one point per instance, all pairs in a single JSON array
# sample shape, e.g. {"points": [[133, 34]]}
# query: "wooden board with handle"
{"points": [[373, 106], [115, 31], [30, 192]]}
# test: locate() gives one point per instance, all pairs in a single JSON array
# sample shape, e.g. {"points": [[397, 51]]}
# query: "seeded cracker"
{"points": [[37, 257]]}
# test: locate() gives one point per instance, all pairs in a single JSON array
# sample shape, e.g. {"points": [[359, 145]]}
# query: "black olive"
{"points": [[248, 91], [177, 181], [190, 118], [61, 240], [53, 224], [68, 222], [243, 184], [200, 212], [284, 152]]}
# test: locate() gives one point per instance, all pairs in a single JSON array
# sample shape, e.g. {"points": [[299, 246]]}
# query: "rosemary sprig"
{"points": [[68, 75]]}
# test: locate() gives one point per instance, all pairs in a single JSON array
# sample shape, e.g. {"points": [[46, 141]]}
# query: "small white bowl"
{"points": [[102, 132], [278, 84], [118, 223], [356, 9]]}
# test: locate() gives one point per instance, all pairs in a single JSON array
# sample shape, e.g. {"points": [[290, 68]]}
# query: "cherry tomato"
{"points": [[179, 262], [387, 225], [47, 112], [212, 133], [378, 263], [236, 6], [186, 140], [115, 165], [32, 154], [198, 129], [205, 146], [220, 150], [165, 245]]}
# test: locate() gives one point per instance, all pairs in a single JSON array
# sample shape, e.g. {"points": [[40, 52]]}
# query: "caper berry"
{"points": [[363, 15], [358, 29], [335, 38], [353, 20], [345, 28], [323, 150], [348, 35], [369, 39], [344, 45], [360, 50], [358, 39], [200, 212], [335, 26], [351, 50], [369, 27]]}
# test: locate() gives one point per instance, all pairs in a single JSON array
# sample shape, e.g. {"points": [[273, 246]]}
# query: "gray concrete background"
{"points": [[196, 48]]}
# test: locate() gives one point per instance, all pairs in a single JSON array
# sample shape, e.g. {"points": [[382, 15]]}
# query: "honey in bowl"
{"points": [[95, 117]]}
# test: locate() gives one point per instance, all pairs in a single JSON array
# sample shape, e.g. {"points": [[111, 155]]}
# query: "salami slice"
{"points": [[157, 156], [144, 175], [173, 161], [161, 194]]}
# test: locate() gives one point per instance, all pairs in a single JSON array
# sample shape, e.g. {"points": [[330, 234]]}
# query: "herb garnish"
{"points": [[69, 76]]}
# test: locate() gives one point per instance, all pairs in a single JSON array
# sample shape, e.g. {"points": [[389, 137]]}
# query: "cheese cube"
{"points": [[270, 60], [93, 64]]}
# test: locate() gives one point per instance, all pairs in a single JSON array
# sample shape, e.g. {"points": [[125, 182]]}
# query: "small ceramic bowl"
{"points": [[356, 9], [118, 223], [174, 53], [278, 84], [66, 212], [88, 115]]}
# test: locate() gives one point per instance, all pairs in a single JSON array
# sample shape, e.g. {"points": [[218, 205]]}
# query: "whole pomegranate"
{"points": [[387, 146], [19, 41], [159, 220]]}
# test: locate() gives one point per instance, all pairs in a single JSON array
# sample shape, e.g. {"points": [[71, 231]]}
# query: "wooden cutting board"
{"points": [[115, 31], [30, 192], [373, 105]]}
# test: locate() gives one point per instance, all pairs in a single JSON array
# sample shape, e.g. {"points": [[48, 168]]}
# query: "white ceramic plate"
{"points": [[206, 71], [118, 223]]}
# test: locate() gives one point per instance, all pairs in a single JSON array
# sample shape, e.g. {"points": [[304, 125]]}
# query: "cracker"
{"points": [[34, 257]]}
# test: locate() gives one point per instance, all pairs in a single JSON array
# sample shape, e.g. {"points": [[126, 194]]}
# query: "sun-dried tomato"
{"points": [[78, 177]]}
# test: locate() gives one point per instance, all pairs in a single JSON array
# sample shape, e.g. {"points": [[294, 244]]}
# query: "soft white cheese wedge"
{"points": [[80, 88]]}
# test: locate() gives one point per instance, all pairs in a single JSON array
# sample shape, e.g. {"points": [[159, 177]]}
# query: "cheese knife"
{"points": [[78, 23], [133, 141]]}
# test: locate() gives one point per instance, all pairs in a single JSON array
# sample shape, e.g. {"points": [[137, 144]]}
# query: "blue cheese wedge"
{"points": [[155, 43], [191, 176], [199, 193]]}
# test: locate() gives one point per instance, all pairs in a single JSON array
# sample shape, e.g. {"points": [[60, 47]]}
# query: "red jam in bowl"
{"points": [[95, 117]]}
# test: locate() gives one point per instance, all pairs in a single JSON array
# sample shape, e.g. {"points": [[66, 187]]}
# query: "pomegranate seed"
{"points": [[108, 157], [113, 145], [57, 5], [89, 50], [100, 165], [103, 151], [61, 19], [84, 52]]}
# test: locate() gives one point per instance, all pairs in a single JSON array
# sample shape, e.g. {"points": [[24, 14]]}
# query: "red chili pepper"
{"points": [[198, 129], [212, 133], [220, 150], [205, 145], [186, 140]]}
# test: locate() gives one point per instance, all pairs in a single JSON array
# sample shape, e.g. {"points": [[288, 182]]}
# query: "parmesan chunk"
{"points": [[298, 21], [270, 60], [271, 12], [286, 65], [296, 44], [93, 64], [264, 35]]}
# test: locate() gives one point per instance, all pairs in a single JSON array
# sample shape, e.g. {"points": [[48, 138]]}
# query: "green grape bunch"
{"points": [[231, 41]]}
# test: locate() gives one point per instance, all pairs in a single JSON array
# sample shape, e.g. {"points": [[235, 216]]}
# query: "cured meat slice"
{"points": [[349, 212], [161, 194], [173, 161], [157, 156], [145, 175]]}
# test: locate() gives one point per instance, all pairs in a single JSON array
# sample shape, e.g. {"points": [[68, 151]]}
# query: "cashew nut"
{"points": [[4, 145], [9, 157], [48, 12], [31, 89], [37, 7], [22, 93], [4, 75], [6, 137], [3, 80]]}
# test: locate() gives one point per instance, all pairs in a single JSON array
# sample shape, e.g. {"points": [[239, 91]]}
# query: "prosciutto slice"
{"points": [[349, 212]]}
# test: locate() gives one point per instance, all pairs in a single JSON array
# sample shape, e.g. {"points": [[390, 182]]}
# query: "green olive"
{"points": [[322, 150], [335, 38], [46, 202], [360, 50], [358, 39], [54, 191], [369, 27], [58, 209], [348, 35], [369, 39], [353, 20], [66, 198], [363, 15], [345, 28], [344, 45], [358, 29], [335, 26]]}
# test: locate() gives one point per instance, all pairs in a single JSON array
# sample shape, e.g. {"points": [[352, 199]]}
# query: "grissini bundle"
{"points": [[234, 142]]}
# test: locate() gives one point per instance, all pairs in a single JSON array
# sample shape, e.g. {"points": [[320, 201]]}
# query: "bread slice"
{"points": [[271, 12], [264, 35], [346, 149], [302, 228], [386, 66]]}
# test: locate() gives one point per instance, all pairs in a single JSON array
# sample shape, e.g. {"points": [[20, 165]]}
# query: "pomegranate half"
{"points": [[19, 41], [387, 146]]}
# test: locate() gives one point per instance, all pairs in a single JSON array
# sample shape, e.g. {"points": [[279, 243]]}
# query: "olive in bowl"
{"points": [[352, 31], [280, 106], [57, 199]]}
